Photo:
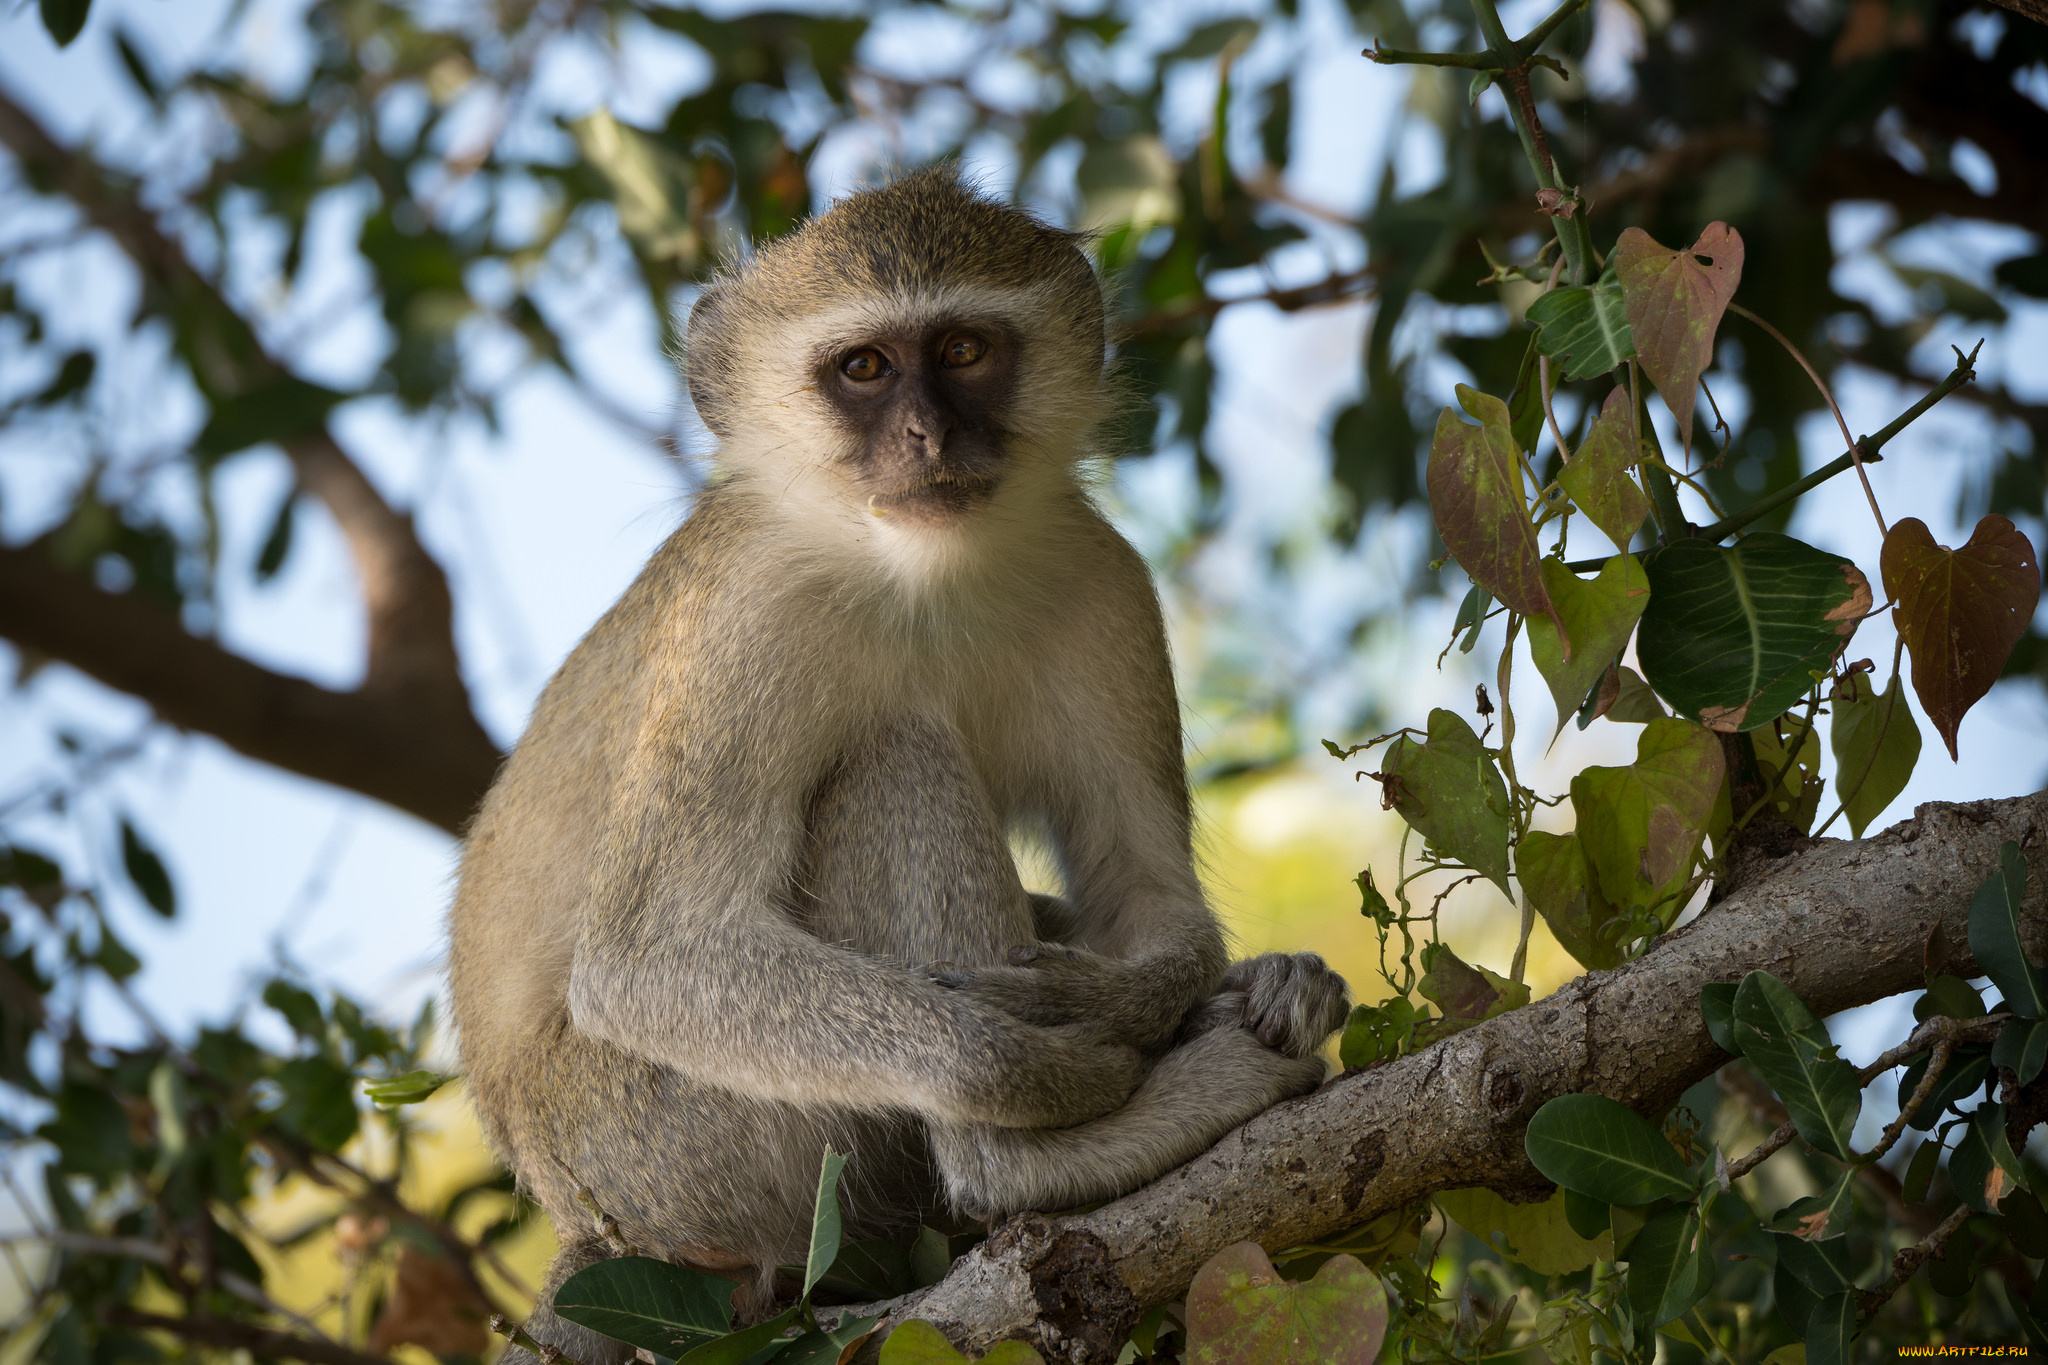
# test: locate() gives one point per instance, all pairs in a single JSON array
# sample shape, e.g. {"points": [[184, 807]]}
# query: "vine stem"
{"points": [[1567, 221], [1876, 745], [1855, 454]]}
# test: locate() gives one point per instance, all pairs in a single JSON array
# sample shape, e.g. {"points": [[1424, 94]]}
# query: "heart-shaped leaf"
{"points": [[1641, 826], [1466, 994], [1449, 789], [1788, 1045], [1597, 474], [1675, 300], [1876, 743], [917, 1342], [1477, 495], [1584, 327], [1961, 611], [1733, 635], [1597, 616], [1538, 1235], [1995, 936], [1606, 1150], [1241, 1312], [1554, 876]]}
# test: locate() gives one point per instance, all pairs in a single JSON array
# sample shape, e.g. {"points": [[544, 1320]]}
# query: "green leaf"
{"points": [[1241, 1312], [1961, 611], [1597, 475], [1825, 1267], [319, 1102], [1538, 1235], [917, 1342], [90, 1132], [1603, 1149], [1792, 763], [147, 871], [1830, 1327], [1596, 617], [825, 1220], [1449, 789], [1376, 1033], [1788, 1046], [1734, 635], [1920, 1171], [873, 1269], [1554, 876], [1471, 616], [1948, 996], [1820, 1217], [63, 19], [1983, 1169], [931, 1256], [1717, 1007], [741, 1345], [1674, 305], [1637, 703], [1525, 404], [825, 1348], [276, 410], [1669, 1266], [1963, 1078], [2025, 275], [1584, 327], [298, 1007], [666, 1309], [650, 187], [1466, 994], [1589, 1217], [2021, 1048], [1641, 826], [1876, 743], [1479, 500], [1995, 936], [278, 542], [410, 1088]]}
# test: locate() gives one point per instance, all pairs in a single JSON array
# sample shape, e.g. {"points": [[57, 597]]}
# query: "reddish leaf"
{"points": [[1476, 495], [1961, 611], [1674, 307], [1241, 1312], [1466, 994]]}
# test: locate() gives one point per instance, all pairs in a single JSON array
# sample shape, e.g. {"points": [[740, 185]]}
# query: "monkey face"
{"points": [[925, 408]]}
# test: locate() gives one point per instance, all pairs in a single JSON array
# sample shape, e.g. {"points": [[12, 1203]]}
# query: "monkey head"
{"points": [[917, 354]]}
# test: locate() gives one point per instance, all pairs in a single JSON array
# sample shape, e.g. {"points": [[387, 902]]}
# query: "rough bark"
{"points": [[1843, 923], [2037, 10]]}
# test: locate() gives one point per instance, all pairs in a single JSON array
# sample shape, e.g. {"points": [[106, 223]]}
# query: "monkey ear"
{"points": [[706, 350]]}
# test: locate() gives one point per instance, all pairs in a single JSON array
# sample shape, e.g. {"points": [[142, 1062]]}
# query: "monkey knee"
{"points": [[577, 1343]]}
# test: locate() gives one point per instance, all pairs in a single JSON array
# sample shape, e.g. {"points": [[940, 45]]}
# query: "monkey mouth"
{"points": [[944, 493]]}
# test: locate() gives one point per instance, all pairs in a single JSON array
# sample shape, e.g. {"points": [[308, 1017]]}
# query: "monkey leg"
{"points": [[1197, 1093]]}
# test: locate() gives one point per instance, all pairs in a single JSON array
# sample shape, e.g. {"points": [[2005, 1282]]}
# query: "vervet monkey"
{"points": [[745, 890]]}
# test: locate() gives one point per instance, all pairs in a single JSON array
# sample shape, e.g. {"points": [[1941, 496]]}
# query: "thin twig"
{"points": [[1911, 1259], [228, 1334], [1855, 454], [518, 1336]]}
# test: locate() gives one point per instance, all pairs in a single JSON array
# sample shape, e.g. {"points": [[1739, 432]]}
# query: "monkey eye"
{"points": [[961, 350], [865, 365]]}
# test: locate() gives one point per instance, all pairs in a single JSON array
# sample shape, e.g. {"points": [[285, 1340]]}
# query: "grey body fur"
{"points": [[745, 888]]}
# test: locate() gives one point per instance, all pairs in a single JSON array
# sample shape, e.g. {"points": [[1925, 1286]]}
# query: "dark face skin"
{"points": [[926, 410]]}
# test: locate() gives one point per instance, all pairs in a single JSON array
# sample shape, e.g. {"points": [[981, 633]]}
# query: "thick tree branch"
{"points": [[389, 744], [1842, 923], [2037, 10], [411, 645]]}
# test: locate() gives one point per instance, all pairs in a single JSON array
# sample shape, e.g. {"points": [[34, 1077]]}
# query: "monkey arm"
{"points": [[858, 1032]]}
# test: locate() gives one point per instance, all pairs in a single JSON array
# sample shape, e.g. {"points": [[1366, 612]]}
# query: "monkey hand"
{"points": [[1291, 1001], [1128, 1001]]}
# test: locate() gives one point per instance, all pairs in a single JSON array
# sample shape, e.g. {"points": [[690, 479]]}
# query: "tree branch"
{"points": [[411, 614], [385, 744], [230, 1335], [1842, 923]]}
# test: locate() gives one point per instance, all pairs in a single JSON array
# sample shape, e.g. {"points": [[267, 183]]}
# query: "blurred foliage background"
{"points": [[272, 274]]}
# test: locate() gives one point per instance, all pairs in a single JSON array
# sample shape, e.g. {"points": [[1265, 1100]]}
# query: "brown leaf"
{"points": [[432, 1305], [1476, 495], [1961, 611], [1674, 305]]}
